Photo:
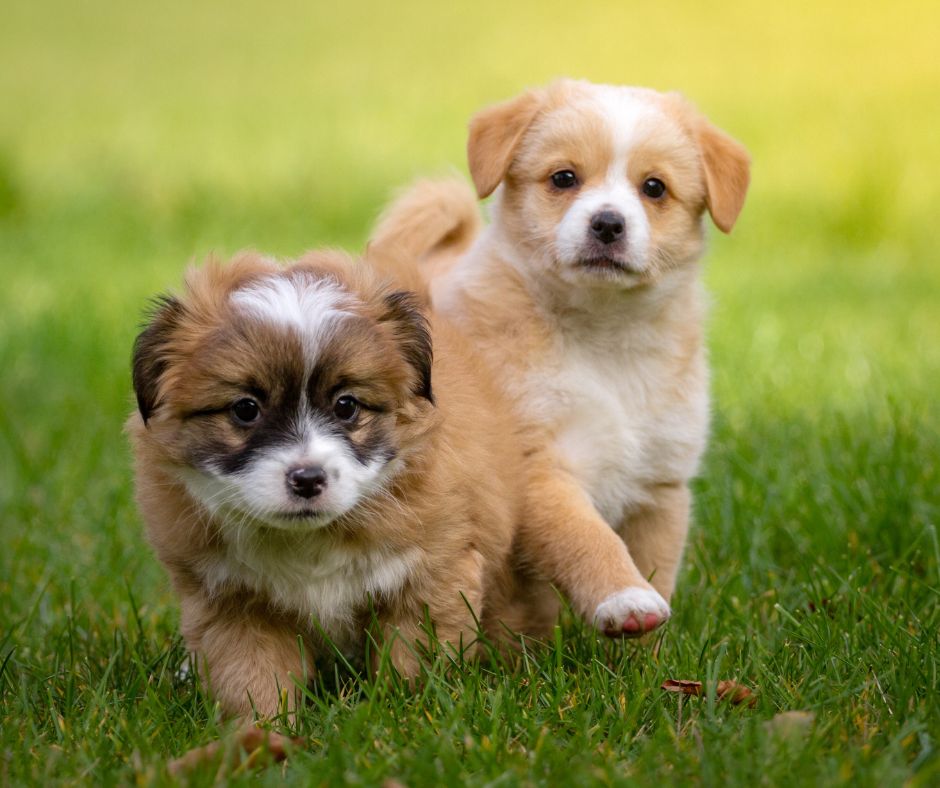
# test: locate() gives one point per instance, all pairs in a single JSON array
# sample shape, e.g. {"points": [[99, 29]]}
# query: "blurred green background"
{"points": [[136, 137]]}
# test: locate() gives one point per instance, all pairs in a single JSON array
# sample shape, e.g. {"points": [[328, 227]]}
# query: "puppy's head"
{"points": [[604, 183], [284, 397]]}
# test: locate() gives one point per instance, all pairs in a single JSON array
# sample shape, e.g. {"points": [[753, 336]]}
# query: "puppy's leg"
{"points": [[656, 534], [564, 537], [529, 607], [247, 656], [454, 603]]}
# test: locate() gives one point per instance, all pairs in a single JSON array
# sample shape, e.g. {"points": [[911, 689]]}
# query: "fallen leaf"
{"points": [[261, 746], [736, 693], [683, 686], [726, 690]]}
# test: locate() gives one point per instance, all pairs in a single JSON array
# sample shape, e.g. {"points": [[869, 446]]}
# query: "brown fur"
{"points": [[457, 499]]}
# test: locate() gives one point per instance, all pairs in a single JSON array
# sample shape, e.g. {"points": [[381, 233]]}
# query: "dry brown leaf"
{"points": [[726, 690], [736, 693], [261, 746], [683, 686]]}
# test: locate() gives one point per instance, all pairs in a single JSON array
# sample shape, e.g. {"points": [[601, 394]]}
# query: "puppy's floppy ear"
{"points": [[727, 173], [413, 336], [150, 353], [494, 134]]}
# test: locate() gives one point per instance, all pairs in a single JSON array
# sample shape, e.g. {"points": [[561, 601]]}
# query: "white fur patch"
{"points": [[312, 575], [307, 304], [634, 601], [628, 111], [608, 392]]}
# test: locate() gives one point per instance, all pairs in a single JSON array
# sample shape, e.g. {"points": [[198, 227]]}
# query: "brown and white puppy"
{"points": [[297, 470], [584, 294]]}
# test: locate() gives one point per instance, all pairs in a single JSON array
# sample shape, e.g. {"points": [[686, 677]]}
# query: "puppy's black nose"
{"points": [[607, 226], [307, 482]]}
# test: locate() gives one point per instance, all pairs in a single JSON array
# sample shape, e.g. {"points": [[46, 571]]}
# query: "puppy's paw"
{"points": [[631, 612]]}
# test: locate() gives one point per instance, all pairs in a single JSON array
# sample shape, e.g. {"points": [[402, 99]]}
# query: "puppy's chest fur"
{"points": [[312, 578], [624, 418]]}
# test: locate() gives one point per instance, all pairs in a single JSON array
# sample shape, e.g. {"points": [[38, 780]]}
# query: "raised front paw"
{"points": [[631, 612]]}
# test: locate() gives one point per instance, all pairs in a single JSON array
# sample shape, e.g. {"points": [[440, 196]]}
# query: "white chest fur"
{"points": [[622, 422], [623, 388], [310, 576]]}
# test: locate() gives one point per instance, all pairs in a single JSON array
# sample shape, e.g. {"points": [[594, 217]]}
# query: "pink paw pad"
{"points": [[623, 614], [633, 627]]}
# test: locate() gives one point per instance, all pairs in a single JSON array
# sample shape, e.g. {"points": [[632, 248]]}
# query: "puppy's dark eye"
{"points": [[564, 179], [346, 408], [654, 188], [246, 411]]}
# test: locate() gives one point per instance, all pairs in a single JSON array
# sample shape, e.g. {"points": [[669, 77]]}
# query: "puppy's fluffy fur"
{"points": [[301, 462], [584, 295]]}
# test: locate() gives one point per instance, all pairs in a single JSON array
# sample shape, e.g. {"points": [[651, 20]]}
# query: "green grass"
{"points": [[134, 139]]}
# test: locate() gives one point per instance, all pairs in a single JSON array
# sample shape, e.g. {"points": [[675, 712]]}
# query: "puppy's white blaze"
{"points": [[309, 305], [626, 113], [629, 114], [635, 601]]}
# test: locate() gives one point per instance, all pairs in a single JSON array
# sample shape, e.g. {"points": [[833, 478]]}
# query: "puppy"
{"points": [[584, 294], [298, 472]]}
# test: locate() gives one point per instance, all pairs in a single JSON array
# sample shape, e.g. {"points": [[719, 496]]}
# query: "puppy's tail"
{"points": [[423, 231]]}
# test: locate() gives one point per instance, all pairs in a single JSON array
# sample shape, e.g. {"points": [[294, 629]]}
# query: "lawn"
{"points": [[134, 139]]}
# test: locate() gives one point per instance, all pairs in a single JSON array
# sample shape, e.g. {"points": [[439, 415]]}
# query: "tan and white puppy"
{"points": [[584, 294], [296, 470]]}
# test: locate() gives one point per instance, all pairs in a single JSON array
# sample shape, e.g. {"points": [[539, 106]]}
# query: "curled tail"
{"points": [[424, 230]]}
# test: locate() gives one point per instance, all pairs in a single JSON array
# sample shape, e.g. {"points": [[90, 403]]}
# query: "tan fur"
{"points": [[414, 227], [726, 163], [494, 134], [532, 329], [456, 501]]}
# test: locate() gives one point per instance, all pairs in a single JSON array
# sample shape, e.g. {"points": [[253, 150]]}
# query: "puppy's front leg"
{"points": [[246, 655], [656, 534], [454, 603], [564, 537]]}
